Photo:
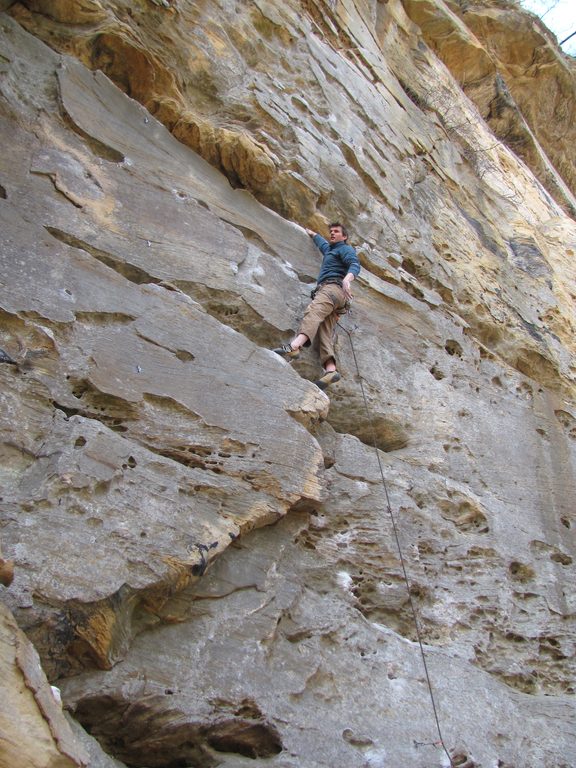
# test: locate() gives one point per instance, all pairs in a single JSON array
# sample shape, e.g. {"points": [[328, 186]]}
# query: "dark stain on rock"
{"points": [[485, 238], [529, 258]]}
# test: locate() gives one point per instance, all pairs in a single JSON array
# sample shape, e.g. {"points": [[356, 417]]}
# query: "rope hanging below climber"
{"points": [[399, 549]]}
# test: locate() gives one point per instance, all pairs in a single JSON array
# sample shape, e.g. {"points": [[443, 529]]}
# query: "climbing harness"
{"points": [[399, 548], [329, 281]]}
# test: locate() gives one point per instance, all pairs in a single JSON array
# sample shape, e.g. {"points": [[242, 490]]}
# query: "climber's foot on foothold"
{"points": [[287, 352], [329, 377]]}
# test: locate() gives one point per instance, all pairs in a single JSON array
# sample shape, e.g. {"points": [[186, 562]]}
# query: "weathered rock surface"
{"points": [[134, 399], [330, 683], [523, 85], [248, 90], [147, 429]]}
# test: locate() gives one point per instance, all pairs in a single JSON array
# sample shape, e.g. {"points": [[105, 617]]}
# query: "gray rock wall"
{"points": [[210, 555]]}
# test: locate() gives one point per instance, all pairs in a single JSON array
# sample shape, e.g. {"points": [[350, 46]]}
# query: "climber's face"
{"points": [[336, 235]]}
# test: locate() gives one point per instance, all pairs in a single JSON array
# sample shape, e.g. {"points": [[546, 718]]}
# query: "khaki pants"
{"points": [[321, 316]]}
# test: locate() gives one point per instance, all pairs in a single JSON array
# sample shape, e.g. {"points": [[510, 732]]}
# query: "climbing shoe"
{"points": [[330, 377], [287, 352]]}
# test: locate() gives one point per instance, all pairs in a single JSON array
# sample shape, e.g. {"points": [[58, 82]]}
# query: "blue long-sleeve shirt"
{"points": [[338, 259]]}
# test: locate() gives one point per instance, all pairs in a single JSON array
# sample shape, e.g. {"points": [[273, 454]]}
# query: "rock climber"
{"points": [[330, 299]]}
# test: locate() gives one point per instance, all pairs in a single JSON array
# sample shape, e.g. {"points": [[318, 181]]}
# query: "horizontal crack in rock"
{"points": [[130, 271]]}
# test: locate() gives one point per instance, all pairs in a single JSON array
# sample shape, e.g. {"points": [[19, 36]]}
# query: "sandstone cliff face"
{"points": [[209, 554], [522, 84]]}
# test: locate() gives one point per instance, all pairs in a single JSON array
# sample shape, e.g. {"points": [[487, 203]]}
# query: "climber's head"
{"points": [[338, 233]]}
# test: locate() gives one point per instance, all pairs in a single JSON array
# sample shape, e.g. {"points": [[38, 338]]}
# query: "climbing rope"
{"points": [[399, 548]]}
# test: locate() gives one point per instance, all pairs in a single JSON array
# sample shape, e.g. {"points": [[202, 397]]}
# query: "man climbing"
{"points": [[330, 298]]}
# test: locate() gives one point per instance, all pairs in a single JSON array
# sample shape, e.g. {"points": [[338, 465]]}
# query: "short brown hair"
{"points": [[342, 227]]}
